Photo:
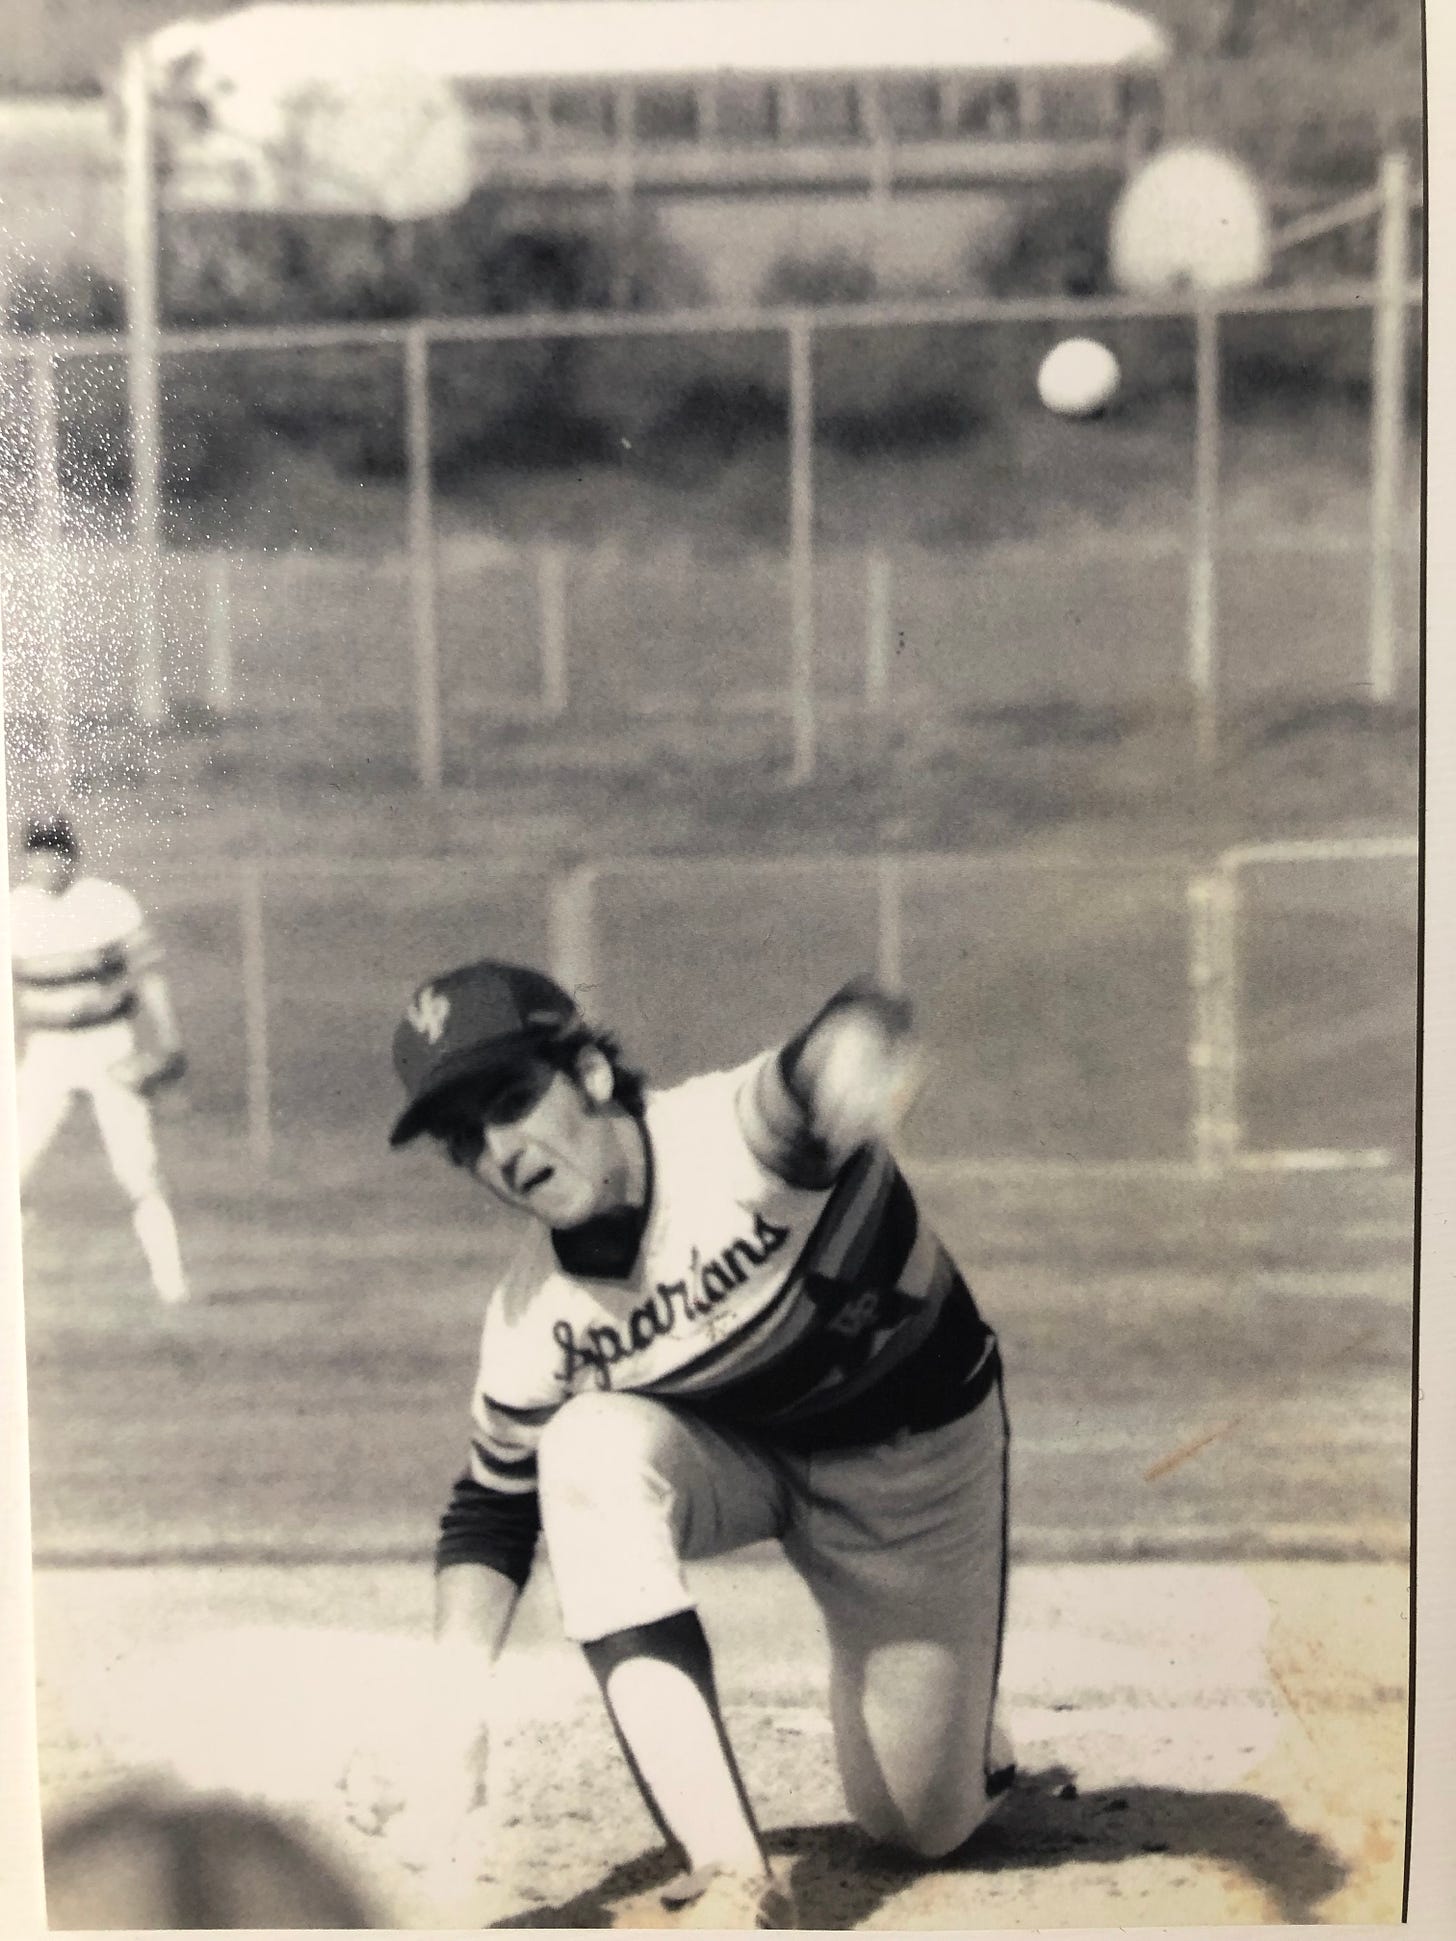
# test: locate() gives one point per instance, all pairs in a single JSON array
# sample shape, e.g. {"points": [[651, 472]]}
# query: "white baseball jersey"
{"points": [[817, 1316], [75, 957]]}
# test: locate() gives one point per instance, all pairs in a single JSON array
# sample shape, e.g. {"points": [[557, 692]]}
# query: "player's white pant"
{"points": [[903, 1547], [58, 1066]]}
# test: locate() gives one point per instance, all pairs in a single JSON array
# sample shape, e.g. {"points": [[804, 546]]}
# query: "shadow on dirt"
{"points": [[596, 1906], [841, 1879]]}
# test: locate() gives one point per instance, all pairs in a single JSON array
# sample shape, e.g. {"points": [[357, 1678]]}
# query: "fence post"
{"points": [[551, 605], [1227, 917], [219, 633], [624, 198], [143, 358], [890, 923], [1202, 588], [1387, 413], [571, 930], [49, 540], [1212, 1052], [422, 562], [801, 547], [878, 629], [281, 579], [879, 176], [255, 1014]]}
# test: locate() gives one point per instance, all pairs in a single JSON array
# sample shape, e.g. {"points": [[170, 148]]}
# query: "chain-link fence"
{"points": [[1260, 1011], [790, 511]]}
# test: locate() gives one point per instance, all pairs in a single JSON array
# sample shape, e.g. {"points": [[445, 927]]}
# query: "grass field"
{"points": [[315, 1404]]}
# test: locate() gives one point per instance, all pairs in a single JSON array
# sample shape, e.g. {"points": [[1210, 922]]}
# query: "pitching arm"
{"points": [[843, 1082]]}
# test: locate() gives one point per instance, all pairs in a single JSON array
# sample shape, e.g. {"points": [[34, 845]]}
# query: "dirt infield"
{"points": [[1199, 1744]]}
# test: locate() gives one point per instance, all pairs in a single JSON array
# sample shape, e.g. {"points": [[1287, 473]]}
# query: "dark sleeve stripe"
{"points": [[519, 1471], [877, 1253], [87, 969], [483, 1526], [870, 1211], [537, 1418]]}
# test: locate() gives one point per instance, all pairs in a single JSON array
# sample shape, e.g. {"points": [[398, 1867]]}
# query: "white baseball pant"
{"points": [[902, 1545], [57, 1066]]}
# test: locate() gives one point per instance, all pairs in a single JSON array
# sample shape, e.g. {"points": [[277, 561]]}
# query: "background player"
{"points": [[85, 965], [729, 1324]]}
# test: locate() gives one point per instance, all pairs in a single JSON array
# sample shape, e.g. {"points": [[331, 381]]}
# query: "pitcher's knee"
{"points": [[598, 1453], [610, 1515]]}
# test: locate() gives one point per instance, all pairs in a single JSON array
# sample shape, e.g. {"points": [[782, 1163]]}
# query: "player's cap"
{"points": [[51, 832], [474, 1022]]}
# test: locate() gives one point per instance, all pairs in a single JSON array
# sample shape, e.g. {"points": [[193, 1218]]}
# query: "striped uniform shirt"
{"points": [[75, 957], [812, 1308]]}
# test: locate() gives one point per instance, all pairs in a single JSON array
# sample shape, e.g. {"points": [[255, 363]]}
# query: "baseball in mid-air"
{"points": [[1078, 378]]}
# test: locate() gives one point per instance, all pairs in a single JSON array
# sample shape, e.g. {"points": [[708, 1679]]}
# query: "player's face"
{"points": [[541, 1145], [52, 870]]}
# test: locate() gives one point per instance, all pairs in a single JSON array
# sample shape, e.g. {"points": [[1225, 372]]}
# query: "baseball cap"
{"points": [[474, 1022]]}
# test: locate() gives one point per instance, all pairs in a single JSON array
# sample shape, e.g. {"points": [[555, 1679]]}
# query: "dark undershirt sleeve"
{"points": [[487, 1526]]}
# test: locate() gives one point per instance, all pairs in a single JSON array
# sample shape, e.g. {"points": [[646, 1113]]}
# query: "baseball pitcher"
{"points": [[728, 1322], [85, 967]]}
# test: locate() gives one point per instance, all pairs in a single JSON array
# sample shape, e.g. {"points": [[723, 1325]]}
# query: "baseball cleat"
{"points": [[1000, 1762], [716, 1897]]}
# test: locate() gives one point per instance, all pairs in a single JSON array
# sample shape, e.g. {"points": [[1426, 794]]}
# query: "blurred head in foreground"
{"points": [[141, 1860]]}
